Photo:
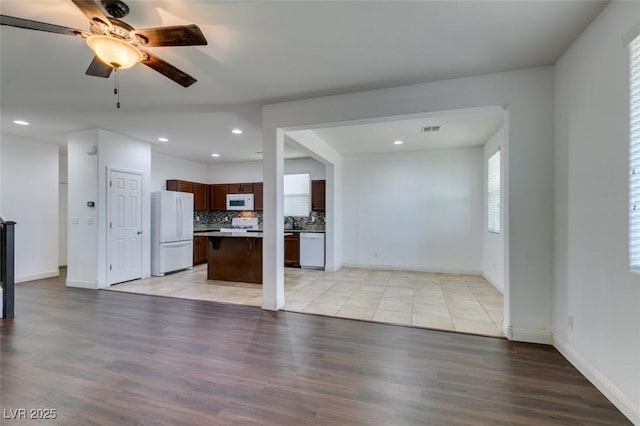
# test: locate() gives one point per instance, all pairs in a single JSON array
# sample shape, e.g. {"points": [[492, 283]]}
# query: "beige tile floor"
{"points": [[463, 303]]}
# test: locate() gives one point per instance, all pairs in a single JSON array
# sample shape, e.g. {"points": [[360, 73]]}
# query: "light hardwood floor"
{"points": [[463, 303]]}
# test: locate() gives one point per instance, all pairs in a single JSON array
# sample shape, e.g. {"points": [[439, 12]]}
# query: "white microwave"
{"points": [[239, 201]]}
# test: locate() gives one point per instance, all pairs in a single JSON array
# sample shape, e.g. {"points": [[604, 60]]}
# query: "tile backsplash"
{"points": [[223, 218]]}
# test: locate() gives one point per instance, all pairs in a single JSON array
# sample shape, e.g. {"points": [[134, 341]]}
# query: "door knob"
{"points": [[139, 232]]}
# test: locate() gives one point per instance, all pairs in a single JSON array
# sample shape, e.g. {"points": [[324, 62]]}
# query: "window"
{"points": [[634, 156], [493, 193], [297, 194]]}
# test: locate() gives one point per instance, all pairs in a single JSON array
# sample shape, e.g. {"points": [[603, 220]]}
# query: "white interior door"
{"points": [[125, 227]]}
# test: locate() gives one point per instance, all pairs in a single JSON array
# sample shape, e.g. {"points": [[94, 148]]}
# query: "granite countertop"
{"points": [[230, 234], [215, 228], [234, 234]]}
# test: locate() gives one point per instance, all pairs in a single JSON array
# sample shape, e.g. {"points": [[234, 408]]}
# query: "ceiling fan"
{"points": [[116, 44]]}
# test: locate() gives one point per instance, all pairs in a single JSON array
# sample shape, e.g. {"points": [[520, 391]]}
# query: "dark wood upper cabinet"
{"points": [[200, 197], [318, 194], [218, 196], [179, 185], [257, 196], [240, 188]]}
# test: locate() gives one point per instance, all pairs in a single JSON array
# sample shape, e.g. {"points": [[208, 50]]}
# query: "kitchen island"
{"points": [[234, 256]]}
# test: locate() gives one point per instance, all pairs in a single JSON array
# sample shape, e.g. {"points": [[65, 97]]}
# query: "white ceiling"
{"points": [[457, 129], [260, 52]]}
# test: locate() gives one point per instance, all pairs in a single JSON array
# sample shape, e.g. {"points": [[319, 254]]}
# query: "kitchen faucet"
{"points": [[293, 221]]}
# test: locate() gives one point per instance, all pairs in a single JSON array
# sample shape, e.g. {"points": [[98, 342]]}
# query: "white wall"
{"points": [[62, 209], [528, 96], [130, 155], [492, 243], [29, 188], [82, 241], [330, 162], [164, 167], [414, 210], [592, 279], [90, 153], [251, 171]]}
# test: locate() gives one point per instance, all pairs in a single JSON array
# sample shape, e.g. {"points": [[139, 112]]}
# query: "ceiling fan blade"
{"points": [[97, 68], [40, 26], [168, 70], [91, 10], [179, 35]]}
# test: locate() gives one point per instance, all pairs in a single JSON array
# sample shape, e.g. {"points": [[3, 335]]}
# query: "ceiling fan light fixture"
{"points": [[114, 52]]}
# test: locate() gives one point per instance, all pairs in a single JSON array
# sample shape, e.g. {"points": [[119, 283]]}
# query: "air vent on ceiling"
{"points": [[430, 129]]}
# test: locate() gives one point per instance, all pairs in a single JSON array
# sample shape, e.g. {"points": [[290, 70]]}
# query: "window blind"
{"points": [[634, 156], [493, 192], [297, 194]]}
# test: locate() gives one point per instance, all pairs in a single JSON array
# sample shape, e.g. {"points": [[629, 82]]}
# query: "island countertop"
{"points": [[233, 234], [229, 234]]}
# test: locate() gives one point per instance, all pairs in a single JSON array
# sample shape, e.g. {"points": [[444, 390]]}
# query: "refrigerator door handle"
{"points": [[176, 244], [180, 215]]}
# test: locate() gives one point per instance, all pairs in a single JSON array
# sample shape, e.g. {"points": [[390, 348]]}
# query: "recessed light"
{"points": [[215, 155], [21, 122], [236, 131], [398, 143], [163, 140]]}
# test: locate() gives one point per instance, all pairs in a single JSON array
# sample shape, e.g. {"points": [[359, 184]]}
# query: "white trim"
{"points": [[413, 268], [631, 34], [486, 277], [276, 305], [110, 169], [38, 276], [332, 268], [611, 391], [529, 336], [507, 331], [81, 284]]}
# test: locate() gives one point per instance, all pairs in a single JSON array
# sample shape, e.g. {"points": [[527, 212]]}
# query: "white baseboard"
{"points": [[412, 268], [38, 276], [528, 336], [82, 284], [273, 305], [332, 268], [611, 391], [492, 282]]}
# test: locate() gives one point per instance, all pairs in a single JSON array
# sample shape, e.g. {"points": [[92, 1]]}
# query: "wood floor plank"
{"points": [[110, 358]]}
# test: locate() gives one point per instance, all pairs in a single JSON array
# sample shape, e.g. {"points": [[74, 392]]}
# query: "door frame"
{"points": [[110, 169]]}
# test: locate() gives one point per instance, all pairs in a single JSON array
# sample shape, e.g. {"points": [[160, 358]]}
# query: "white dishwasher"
{"points": [[312, 250]]}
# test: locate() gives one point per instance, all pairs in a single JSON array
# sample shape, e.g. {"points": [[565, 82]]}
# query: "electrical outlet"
{"points": [[570, 321]]}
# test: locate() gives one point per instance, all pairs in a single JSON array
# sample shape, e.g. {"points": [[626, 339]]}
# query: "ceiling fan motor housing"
{"points": [[116, 8]]}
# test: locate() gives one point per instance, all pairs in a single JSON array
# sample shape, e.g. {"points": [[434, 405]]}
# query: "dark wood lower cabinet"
{"points": [[235, 259], [199, 250], [292, 250]]}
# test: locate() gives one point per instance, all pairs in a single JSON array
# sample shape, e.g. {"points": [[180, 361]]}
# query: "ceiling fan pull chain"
{"points": [[116, 89]]}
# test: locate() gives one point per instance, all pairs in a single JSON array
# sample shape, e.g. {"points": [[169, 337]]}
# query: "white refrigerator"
{"points": [[171, 231]]}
